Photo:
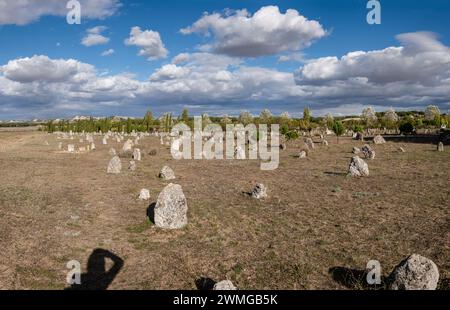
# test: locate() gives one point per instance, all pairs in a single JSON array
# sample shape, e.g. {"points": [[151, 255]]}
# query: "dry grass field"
{"points": [[317, 229]]}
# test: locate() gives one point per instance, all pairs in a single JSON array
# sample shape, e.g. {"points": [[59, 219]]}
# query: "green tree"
{"points": [[265, 117], [148, 120], [185, 116], [338, 129], [129, 125], [167, 122], [431, 112], [245, 118], [307, 115]]}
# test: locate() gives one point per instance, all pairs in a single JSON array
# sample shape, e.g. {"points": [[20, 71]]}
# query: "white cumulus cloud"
{"points": [[149, 42], [22, 12], [108, 52], [267, 32], [94, 36]]}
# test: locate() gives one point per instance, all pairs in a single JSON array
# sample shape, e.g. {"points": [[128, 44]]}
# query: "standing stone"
{"points": [[356, 150], [302, 154], [71, 148], [127, 146], [358, 167], [132, 165], [402, 150], [325, 143], [310, 143], [114, 166], [105, 141], [137, 154], [259, 191], [60, 146], [368, 152], [144, 194], [112, 152], [92, 146], [414, 273], [171, 208], [440, 147], [166, 173], [379, 140], [225, 285]]}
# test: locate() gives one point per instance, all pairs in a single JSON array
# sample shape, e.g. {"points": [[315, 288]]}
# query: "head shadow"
{"points": [[97, 277]]}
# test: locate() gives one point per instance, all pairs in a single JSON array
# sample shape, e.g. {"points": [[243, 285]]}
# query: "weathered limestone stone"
{"points": [[324, 142], [402, 150], [144, 194], [440, 147], [358, 167], [60, 146], [104, 141], [171, 208], [225, 285], [414, 273], [356, 150], [114, 166], [259, 191], [302, 154], [167, 173], [137, 154], [132, 165], [112, 152], [70, 148], [82, 149], [310, 143], [379, 140], [92, 146], [368, 152], [127, 146]]}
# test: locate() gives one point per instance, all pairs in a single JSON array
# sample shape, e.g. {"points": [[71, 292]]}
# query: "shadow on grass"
{"points": [[151, 212], [205, 284], [354, 279], [97, 277], [335, 173]]}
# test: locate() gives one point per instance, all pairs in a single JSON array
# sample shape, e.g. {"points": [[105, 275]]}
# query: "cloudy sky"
{"points": [[221, 57]]}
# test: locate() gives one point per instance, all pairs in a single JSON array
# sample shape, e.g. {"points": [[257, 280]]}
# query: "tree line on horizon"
{"points": [[289, 126]]}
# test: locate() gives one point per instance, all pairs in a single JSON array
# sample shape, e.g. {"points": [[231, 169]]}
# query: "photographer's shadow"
{"points": [[97, 277]]}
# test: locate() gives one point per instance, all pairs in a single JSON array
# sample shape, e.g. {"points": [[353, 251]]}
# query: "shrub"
{"points": [[357, 128], [406, 128], [284, 129], [292, 135]]}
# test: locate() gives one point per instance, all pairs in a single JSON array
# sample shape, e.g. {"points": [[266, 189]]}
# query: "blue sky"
{"points": [[47, 34]]}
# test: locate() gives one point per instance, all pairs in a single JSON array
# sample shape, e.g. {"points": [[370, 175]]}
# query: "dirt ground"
{"points": [[317, 229]]}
